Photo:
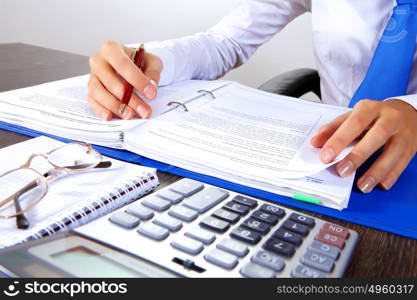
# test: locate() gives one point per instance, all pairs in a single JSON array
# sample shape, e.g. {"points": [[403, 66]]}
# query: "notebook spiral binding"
{"points": [[127, 192]]}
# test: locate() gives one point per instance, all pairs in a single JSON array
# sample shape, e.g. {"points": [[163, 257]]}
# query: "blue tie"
{"points": [[390, 68]]}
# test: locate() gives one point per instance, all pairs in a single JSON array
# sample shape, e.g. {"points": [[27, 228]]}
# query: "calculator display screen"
{"points": [[85, 261]]}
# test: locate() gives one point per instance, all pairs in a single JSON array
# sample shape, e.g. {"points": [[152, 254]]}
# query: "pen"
{"points": [[137, 60]]}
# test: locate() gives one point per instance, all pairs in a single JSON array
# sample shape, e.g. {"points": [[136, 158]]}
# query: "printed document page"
{"points": [[243, 132], [61, 108]]}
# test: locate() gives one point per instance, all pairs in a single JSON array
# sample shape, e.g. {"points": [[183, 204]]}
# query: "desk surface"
{"points": [[379, 254]]}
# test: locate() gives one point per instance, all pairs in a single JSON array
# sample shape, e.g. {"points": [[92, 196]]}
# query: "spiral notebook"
{"points": [[74, 199]]}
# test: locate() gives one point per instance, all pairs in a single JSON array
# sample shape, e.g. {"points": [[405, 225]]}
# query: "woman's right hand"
{"points": [[110, 68]]}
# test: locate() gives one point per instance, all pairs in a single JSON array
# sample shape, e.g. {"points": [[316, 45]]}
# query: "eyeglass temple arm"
{"points": [[101, 165], [16, 195], [21, 220]]}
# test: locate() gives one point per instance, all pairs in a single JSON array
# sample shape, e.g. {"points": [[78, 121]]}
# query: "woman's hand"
{"points": [[391, 123], [110, 68]]}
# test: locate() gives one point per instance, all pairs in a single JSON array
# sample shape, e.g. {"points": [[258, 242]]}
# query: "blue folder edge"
{"points": [[394, 211]]}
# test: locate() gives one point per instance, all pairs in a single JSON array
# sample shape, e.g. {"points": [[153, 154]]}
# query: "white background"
{"points": [[80, 26]]}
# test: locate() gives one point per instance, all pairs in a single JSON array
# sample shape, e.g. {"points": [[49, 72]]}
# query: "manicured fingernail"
{"points": [[387, 183], [367, 184], [150, 90], [345, 168], [104, 115], [327, 155], [143, 112], [127, 114]]}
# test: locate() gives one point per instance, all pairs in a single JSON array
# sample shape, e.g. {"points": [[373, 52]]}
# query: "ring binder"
{"points": [[184, 107], [207, 92]]}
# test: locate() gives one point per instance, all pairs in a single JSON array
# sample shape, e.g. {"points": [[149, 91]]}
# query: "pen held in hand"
{"points": [[128, 88]]}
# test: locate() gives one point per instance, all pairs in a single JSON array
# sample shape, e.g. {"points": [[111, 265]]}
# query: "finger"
{"points": [[392, 156], [122, 64], [143, 109], [101, 95], [375, 138], [152, 67], [115, 84], [364, 113], [392, 176], [102, 112], [326, 131], [111, 80]]}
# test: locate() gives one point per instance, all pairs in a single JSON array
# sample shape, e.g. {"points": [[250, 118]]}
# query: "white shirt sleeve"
{"points": [[230, 43]]}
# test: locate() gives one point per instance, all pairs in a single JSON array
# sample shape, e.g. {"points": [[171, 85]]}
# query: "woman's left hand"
{"points": [[391, 123]]}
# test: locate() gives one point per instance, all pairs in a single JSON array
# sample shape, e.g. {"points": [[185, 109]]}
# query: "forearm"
{"points": [[228, 44]]}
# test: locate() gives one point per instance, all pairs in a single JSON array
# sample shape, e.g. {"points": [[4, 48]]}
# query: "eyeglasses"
{"points": [[24, 187]]}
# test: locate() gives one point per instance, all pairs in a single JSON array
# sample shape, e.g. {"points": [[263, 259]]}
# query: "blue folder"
{"points": [[393, 211]]}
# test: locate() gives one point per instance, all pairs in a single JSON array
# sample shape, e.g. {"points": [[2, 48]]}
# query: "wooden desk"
{"points": [[379, 254]]}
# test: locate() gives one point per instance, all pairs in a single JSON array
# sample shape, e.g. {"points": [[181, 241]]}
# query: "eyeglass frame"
{"points": [[45, 155]]}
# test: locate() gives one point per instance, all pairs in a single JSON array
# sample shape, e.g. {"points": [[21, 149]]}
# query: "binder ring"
{"points": [[184, 107], [207, 92]]}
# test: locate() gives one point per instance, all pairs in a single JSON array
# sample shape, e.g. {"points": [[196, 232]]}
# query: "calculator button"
{"points": [[156, 203], [301, 271], [259, 226], [328, 250], [221, 259], [318, 261], [168, 222], [233, 247], [237, 208], [336, 230], [246, 235], [265, 217], [206, 199], [268, 260], [296, 227], [187, 245], [330, 239], [174, 198], [201, 235], [125, 220], [226, 215], [153, 231], [251, 270], [140, 211], [271, 209], [186, 187], [279, 247], [215, 224], [245, 201], [302, 220], [288, 236], [183, 213]]}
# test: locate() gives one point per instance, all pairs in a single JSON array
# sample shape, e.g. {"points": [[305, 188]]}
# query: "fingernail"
{"points": [[150, 90], [366, 185], [387, 183], [127, 114], [327, 155], [345, 168], [104, 115], [143, 112]]}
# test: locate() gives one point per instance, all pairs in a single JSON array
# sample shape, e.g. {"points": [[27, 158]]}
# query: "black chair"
{"points": [[294, 83]]}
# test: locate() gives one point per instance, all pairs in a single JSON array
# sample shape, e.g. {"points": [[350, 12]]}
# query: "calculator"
{"points": [[190, 229], [199, 230]]}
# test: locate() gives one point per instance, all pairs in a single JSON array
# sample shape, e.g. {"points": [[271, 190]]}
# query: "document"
{"points": [[228, 130]]}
